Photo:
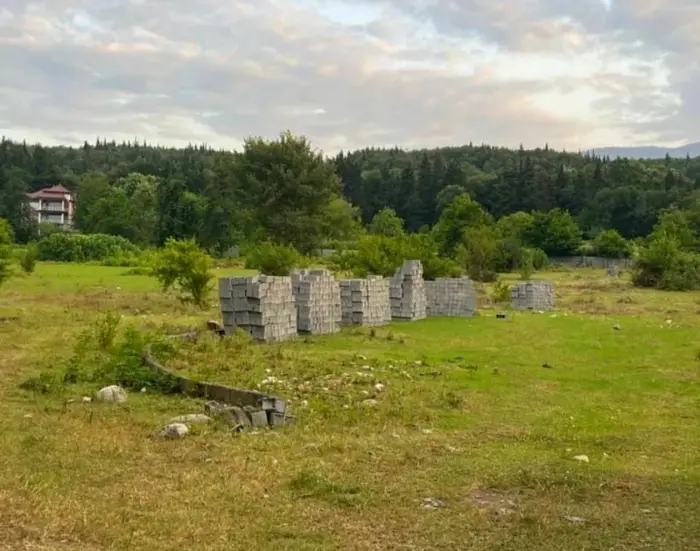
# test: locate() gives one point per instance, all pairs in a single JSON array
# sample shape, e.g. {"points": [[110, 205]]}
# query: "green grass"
{"points": [[468, 416]]}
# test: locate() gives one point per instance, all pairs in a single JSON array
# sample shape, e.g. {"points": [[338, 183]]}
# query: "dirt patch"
{"points": [[492, 501]]}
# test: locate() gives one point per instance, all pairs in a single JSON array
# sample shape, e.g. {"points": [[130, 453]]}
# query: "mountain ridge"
{"points": [[649, 151]]}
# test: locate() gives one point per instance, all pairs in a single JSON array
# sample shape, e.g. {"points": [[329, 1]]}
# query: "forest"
{"points": [[287, 192]]}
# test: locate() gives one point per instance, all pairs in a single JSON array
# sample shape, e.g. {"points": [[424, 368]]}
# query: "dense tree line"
{"points": [[283, 191]]}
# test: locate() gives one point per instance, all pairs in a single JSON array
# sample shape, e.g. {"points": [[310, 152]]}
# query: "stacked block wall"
{"points": [[533, 295], [317, 298], [260, 305], [451, 297], [407, 292], [365, 301]]}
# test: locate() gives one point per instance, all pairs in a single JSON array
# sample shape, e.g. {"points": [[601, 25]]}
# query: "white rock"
{"points": [[369, 403], [113, 394], [87, 399], [582, 458], [191, 418], [361, 357], [617, 327], [143, 389], [418, 362], [174, 430], [379, 387]]}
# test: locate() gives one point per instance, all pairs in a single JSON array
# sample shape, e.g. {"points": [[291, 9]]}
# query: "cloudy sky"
{"points": [[350, 73]]}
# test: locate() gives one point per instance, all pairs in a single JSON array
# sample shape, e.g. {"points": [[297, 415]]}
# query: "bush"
{"points": [[663, 265], [501, 292], [271, 259], [28, 258], [124, 366], [7, 236], [527, 266], [5, 263], [183, 265], [540, 260], [76, 247], [378, 255], [387, 224], [480, 253], [611, 244]]}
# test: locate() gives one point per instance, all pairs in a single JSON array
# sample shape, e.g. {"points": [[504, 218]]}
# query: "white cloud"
{"points": [[352, 73]]}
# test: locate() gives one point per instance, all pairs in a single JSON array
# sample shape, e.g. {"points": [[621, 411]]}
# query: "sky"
{"points": [[349, 74]]}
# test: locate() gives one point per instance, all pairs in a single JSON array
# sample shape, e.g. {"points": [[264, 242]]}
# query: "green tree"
{"points": [[289, 188], [479, 253], [461, 214], [182, 265], [515, 226], [609, 243], [387, 223], [555, 232], [340, 220], [675, 224]]}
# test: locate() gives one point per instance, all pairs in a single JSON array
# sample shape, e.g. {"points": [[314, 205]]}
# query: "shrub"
{"points": [[480, 253], [28, 258], [540, 260], [272, 259], [610, 244], [663, 265], [5, 263], [76, 247], [124, 365], [422, 247], [527, 265], [500, 292], [378, 255], [387, 224], [7, 236], [184, 266]]}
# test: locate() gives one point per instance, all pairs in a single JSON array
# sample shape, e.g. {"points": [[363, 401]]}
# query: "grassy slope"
{"points": [[468, 416]]}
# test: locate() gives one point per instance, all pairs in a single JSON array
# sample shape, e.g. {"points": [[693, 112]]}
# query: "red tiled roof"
{"points": [[49, 192]]}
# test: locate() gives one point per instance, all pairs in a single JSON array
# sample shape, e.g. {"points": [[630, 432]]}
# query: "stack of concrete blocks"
{"points": [[317, 297], [260, 305], [365, 301], [450, 297], [407, 292], [533, 295]]}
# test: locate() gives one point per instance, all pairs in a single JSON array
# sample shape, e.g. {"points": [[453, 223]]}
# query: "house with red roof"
{"points": [[55, 205]]}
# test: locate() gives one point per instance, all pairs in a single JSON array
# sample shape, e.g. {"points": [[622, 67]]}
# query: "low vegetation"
{"points": [[467, 434]]}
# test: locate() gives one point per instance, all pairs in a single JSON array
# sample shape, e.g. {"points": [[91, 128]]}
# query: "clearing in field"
{"points": [[439, 434]]}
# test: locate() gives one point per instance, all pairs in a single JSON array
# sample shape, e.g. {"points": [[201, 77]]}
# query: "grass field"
{"points": [[470, 446]]}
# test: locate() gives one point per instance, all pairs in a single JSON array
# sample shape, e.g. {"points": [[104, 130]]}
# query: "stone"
{"points": [[113, 394], [192, 418], [259, 418], [174, 431], [581, 458]]}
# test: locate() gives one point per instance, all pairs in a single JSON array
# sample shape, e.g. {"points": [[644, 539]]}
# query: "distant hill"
{"points": [[650, 152]]}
